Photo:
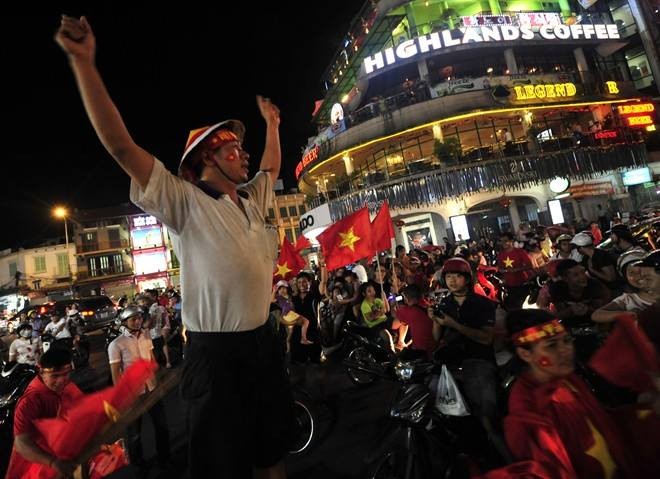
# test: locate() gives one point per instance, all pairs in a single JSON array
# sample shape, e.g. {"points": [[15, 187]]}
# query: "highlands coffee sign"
{"points": [[488, 34]]}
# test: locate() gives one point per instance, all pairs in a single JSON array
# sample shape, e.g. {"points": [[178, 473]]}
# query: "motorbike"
{"points": [[14, 379], [422, 441], [366, 348]]}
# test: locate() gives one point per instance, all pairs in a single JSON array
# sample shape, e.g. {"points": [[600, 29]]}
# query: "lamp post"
{"points": [[61, 212]]}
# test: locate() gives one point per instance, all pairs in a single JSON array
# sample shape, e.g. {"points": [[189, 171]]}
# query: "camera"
{"points": [[439, 307]]}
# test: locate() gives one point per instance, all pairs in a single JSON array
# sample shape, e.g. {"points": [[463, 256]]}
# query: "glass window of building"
{"points": [[283, 212], [639, 67], [39, 264], [104, 263], [292, 211], [290, 235], [301, 208], [271, 213], [623, 18]]}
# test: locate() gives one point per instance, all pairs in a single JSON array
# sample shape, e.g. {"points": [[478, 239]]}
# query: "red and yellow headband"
{"points": [[537, 333], [220, 138]]}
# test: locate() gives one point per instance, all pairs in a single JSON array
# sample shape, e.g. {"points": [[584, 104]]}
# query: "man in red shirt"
{"points": [[42, 399], [516, 268], [414, 315]]}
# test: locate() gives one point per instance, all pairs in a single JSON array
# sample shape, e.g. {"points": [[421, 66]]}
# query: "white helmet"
{"points": [[629, 257], [582, 239]]}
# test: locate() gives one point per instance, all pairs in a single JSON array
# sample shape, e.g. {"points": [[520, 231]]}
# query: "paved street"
{"points": [[351, 420]]}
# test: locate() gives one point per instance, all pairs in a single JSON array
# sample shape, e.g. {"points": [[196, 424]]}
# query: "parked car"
{"points": [[96, 311]]}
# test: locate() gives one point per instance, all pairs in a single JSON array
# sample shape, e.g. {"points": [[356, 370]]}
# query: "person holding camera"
{"points": [[466, 337]]}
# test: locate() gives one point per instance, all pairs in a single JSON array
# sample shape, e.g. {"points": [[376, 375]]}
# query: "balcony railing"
{"points": [[440, 183], [102, 272], [90, 247]]}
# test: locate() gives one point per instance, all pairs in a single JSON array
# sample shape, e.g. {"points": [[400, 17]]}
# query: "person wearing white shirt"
{"points": [[57, 327], [132, 344]]}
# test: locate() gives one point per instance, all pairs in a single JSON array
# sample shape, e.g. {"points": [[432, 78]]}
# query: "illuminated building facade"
{"points": [[460, 113]]}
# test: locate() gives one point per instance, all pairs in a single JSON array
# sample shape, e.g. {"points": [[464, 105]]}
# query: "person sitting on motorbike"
{"points": [[544, 299], [74, 324], [283, 298], [517, 269], [466, 323], [564, 249], [635, 300], [600, 264], [42, 399], [58, 327], [413, 316], [25, 349], [577, 296]]}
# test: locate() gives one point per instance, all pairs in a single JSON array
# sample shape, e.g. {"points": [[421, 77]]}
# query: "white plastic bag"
{"points": [[448, 398]]}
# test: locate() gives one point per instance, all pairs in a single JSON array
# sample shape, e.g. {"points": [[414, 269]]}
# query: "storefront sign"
{"points": [[611, 87], [591, 189], [538, 19], [147, 238], [139, 221], [311, 156], [637, 114], [606, 134], [559, 184], [336, 113], [636, 176], [315, 221], [481, 20], [491, 34], [555, 90]]}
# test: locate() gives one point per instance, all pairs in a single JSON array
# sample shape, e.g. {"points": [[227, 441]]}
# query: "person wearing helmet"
{"points": [[217, 221], [633, 301], [466, 323], [649, 282], [599, 263], [133, 344], [564, 249], [25, 349]]}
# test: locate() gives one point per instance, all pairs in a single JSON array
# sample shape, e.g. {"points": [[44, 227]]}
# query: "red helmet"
{"points": [[457, 265]]}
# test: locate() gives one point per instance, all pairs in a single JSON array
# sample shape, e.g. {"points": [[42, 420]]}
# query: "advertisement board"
{"points": [[147, 237], [145, 263]]}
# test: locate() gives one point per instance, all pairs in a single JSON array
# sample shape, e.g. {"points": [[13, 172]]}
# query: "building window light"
{"points": [[489, 70]]}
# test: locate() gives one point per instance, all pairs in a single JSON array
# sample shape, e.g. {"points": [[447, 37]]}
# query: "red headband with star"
{"points": [[537, 333], [219, 139]]}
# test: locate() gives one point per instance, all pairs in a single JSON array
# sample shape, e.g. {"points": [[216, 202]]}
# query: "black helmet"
{"points": [[651, 260], [22, 326], [130, 311]]}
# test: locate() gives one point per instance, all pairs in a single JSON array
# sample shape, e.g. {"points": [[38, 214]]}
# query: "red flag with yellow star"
{"points": [[348, 240], [302, 243], [382, 229], [289, 263]]}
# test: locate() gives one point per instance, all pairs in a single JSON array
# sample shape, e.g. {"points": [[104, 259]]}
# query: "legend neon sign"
{"points": [[637, 114]]}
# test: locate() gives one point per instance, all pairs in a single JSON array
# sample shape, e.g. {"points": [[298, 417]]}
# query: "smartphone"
{"points": [[399, 298]]}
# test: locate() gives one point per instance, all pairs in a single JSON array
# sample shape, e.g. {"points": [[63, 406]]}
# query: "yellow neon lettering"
{"points": [[612, 87]]}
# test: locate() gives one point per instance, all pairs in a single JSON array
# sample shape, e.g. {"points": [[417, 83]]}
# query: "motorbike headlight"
{"points": [[404, 370]]}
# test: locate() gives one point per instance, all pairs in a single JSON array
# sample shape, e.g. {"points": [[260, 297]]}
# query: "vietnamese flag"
{"points": [[381, 229], [302, 243], [636, 361], [289, 263], [347, 241]]}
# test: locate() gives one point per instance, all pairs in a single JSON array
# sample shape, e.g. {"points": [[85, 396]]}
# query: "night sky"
{"points": [[169, 71]]}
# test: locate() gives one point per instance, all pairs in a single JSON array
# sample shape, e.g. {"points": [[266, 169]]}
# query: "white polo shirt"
{"points": [[127, 348], [226, 258]]}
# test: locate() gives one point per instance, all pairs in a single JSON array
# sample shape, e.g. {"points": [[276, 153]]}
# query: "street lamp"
{"points": [[61, 212]]}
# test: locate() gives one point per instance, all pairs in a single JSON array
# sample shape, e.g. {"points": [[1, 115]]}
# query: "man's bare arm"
{"points": [[77, 40], [271, 161]]}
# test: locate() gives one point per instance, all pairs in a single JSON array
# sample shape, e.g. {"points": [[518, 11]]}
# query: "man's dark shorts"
{"points": [[239, 409]]}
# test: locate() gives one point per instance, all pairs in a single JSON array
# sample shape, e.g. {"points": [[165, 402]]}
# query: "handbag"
{"points": [[448, 398]]}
